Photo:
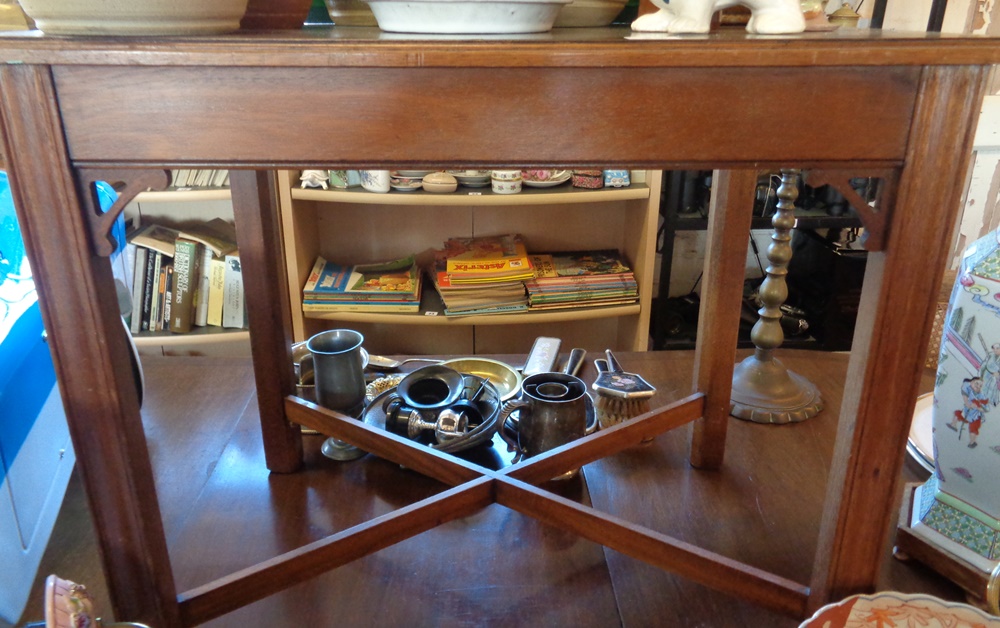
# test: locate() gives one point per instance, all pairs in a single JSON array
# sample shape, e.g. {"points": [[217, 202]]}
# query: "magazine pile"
{"points": [[384, 287], [482, 275], [580, 279]]}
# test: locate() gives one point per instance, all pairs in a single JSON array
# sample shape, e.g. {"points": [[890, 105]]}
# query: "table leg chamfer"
{"points": [[473, 488]]}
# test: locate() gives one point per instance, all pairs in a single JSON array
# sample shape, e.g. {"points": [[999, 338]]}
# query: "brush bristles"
{"points": [[612, 410]]}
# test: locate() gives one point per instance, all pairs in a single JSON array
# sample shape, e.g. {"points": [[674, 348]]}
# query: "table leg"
{"points": [[258, 230], [90, 350], [729, 218], [893, 326]]}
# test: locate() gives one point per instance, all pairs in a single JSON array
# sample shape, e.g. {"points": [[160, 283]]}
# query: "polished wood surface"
{"points": [[223, 512], [907, 103]]}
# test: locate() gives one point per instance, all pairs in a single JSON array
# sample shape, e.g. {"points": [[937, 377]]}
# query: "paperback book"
{"points": [[391, 282], [580, 279]]}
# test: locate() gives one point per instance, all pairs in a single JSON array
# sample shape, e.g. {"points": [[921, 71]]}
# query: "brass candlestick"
{"points": [[764, 391]]}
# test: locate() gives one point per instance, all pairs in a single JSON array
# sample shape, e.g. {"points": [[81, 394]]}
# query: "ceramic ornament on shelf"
{"points": [[767, 17], [958, 508]]}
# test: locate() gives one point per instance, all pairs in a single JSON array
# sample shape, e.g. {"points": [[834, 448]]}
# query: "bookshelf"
{"points": [[175, 208], [357, 226]]}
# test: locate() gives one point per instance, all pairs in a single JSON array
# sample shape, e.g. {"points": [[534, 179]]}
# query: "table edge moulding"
{"points": [[907, 103]]}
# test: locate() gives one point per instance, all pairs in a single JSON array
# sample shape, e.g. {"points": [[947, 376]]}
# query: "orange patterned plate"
{"points": [[901, 610]]}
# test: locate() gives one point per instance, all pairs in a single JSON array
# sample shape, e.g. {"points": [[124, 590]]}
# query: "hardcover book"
{"points": [[204, 279], [233, 307], [187, 277], [138, 289], [216, 290], [147, 290]]}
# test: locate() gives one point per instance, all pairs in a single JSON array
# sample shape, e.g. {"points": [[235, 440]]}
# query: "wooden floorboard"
{"points": [[223, 511]]}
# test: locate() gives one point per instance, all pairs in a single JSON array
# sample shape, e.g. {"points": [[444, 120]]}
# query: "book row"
{"points": [[187, 178], [184, 278]]}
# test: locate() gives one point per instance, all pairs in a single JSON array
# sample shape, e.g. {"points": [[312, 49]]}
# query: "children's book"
{"points": [[394, 280], [486, 258]]}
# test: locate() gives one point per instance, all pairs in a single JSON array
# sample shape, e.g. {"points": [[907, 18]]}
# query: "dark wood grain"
{"points": [[255, 583], [876, 409], [719, 310], [89, 348], [732, 101], [762, 508], [698, 565], [565, 47], [265, 287], [697, 128]]}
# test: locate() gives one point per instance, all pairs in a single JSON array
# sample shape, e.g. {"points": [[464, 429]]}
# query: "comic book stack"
{"points": [[482, 275], [386, 287], [580, 279]]}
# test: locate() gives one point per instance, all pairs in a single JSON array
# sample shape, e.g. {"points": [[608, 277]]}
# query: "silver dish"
{"points": [[505, 378]]}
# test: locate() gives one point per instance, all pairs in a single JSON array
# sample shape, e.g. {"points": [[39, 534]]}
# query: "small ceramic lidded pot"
{"points": [[506, 181], [958, 508]]}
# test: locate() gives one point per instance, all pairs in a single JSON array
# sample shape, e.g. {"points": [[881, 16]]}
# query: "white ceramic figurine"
{"points": [[768, 17]]}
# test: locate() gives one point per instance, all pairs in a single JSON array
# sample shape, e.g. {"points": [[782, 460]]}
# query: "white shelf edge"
{"points": [[164, 339], [556, 316], [475, 196], [184, 196]]}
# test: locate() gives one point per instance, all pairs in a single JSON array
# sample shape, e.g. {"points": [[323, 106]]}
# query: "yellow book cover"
{"points": [[486, 256]]}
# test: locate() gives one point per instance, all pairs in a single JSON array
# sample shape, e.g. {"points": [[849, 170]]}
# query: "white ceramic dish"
{"points": [[920, 443], [466, 16]]}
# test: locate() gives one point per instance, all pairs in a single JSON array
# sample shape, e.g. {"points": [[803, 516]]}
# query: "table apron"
{"points": [[646, 117]]}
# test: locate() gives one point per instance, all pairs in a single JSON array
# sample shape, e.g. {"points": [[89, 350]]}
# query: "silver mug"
{"points": [[552, 411], [338, 370], [339, 375]]}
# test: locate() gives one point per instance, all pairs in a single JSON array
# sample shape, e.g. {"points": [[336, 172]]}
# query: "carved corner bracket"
{"points": [[874, 219], [127, 183]]}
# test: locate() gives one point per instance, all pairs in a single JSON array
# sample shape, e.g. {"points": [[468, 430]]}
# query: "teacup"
{"points": [[376, 181]]}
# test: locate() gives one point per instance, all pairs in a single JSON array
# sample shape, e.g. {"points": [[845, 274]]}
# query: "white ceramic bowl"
{"points": [[466, 16], [130, 17]]}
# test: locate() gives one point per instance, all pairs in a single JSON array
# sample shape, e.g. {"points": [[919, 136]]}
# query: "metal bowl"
{"points": [[504, 377]]}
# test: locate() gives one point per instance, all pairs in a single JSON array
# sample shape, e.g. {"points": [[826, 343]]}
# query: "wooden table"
{"points": [[843, 105]]}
